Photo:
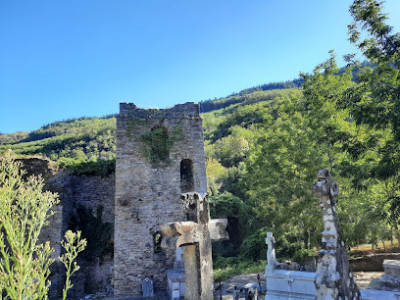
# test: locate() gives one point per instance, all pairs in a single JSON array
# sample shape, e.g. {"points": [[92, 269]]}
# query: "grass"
{"points": [[226, 268], [380, 245]]}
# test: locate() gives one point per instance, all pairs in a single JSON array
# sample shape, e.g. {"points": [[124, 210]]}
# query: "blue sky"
{"points": [[72, 58]]}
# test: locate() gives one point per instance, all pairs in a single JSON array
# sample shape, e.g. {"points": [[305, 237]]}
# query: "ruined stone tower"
{"points": [[160, 154]]}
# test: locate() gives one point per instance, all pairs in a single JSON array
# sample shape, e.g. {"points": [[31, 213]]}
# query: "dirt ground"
{"points": [[364, 278]]}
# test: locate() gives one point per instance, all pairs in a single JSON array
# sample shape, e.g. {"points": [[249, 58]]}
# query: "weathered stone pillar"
{"points": [[196, 239], [334, 279]]}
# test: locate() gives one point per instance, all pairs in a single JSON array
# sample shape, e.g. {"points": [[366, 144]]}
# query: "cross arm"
{"points": [[217, 229], [187, 232]]}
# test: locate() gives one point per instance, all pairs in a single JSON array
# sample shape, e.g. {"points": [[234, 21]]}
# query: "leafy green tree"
{"points": [[215, 172], [310, 132], [376, 99]]}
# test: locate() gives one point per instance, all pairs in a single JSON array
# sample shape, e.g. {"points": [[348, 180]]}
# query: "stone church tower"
{"points": [[160, 154]]}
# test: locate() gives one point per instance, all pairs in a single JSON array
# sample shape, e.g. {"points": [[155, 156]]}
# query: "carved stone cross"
{"points": [[196, 238]]}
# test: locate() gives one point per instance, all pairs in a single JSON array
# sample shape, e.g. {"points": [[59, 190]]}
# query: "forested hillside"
{"points": [[85, 145], [264, 148]]}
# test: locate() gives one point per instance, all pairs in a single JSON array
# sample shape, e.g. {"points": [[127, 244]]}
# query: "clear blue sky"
{"points": [[71, 58]]}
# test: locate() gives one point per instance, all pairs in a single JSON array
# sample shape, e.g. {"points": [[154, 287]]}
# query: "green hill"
{"points": [[78, 142], [85, 145], [263, 149]]}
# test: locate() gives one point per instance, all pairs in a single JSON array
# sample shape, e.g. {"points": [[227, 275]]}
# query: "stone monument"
{"points": [[284, 284], [160, 154], [334, 279]]}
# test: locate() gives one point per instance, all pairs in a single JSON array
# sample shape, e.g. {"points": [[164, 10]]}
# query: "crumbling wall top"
{"points": [[36, 165], [189, 110]]}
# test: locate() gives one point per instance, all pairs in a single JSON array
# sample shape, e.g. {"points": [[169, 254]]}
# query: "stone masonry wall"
{"points": [[148, 196], [91, 192]]}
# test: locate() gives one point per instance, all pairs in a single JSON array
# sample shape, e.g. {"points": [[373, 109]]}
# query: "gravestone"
{"points": [[285, 284], [195, 238], [147, 288], [176, 277], [333, 278]]}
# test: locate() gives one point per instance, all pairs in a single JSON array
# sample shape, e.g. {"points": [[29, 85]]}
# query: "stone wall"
{"points": [[148, 193]]}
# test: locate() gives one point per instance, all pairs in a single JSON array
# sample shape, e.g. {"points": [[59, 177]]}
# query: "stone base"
{"points": [[379, 295], [282, 284], [176, 284], [390, 281], [392, 267]]}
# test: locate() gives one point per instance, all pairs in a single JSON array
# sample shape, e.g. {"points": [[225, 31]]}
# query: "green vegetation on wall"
{"points": [[158, 144]]}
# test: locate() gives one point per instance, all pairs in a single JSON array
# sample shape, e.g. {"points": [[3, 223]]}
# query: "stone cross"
{"points": [[334, 280], [271, 257], [196, 238]]}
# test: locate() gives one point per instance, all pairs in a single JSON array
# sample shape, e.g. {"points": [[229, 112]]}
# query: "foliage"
{"points": [[73, 244], [158, 144], [74, 144], [215, 173], [302, 256], [227, 205], [253, 247], [24, 210], [376, 99], [225, 268], [100, 167], [310, 132], [24, 267], [210, 105], [238, 214], [94, 230]]}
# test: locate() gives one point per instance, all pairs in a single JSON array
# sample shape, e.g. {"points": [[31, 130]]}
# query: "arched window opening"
{"points": [[187, 182]]}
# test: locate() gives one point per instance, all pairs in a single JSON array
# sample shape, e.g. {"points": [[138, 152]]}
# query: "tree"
{"points": [[24, 210], [311, 133], [376, 99]]}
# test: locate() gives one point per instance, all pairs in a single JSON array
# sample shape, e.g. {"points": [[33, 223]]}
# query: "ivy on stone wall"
{"points": [[97, 233], [132, 123], [158, 143]]}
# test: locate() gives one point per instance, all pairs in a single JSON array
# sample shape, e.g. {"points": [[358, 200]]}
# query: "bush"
{"points": [[301, 256], [253, 246], [24, 210], [94, 230]]}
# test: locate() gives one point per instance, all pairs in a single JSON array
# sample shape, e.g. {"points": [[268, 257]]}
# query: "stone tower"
{"points": [[160, 154]]}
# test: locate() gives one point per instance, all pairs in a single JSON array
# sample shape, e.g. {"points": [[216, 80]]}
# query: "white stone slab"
{"points": [[284, 284], [379, 295], [392, 267]]}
